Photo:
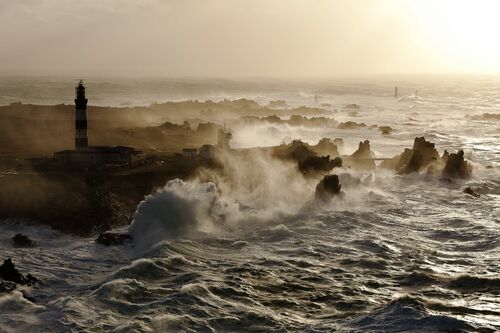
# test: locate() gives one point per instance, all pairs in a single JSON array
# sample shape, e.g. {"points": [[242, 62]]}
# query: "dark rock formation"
{"points": [[421, 156], [296, 151], [362, 159], [351, 125], [385, 130], [352, 107], [321, 164], [445, 156], [470, 191], [8, 272], [325, 147], [23, 241], [423, 153], [457, 167], [328, 187], [110, 238]]}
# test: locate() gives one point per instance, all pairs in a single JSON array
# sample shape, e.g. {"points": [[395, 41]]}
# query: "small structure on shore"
{"points": [[189, 152], [85, 155], [207, 151]]}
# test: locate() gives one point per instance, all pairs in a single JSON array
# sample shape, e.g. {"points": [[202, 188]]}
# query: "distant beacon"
{"points": [[91, 156], [81, 140]]}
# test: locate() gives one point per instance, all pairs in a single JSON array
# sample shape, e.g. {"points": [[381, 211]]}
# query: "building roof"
{"points": [[103, 150]]}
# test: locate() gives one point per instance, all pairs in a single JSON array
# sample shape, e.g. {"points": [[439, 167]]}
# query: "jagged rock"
{"points": [[457, 166], [296, 151], [110, 238], [419, 157], [328, 187], [445, 156], [351, 125], [470, 191], [325, 147], [362, 159], [9, 272], [319, 164], [385, 130], [23, 241]]}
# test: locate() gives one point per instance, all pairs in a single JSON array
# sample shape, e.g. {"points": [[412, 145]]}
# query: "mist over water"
{"points": [[248, 249]]}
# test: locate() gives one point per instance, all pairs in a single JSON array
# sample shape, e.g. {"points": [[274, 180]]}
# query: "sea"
{"points": [[254, 252]]}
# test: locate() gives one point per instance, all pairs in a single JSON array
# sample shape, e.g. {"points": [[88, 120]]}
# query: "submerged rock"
{"points": [[457, 167], [21, 240], [110, 238], [470, 191], [328, 187], [319, 164], [9, 272]]}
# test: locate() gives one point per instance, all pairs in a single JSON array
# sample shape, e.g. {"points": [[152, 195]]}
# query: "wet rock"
{"points": [[470, 191], [325, 147], [351, 125], [7, 286], [385, 130], [296, 151], [352, 107], [445, 156], [423, 153], [8, 272], [110, 238], [362, 159], [457, 167], [322, 164], [21, 240], [421, 156], [328, 187]]}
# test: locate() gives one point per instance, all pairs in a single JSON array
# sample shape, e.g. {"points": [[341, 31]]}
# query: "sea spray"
{"points": [[179, 209]]}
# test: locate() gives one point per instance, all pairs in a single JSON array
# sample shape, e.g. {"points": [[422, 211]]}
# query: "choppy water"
{"points": [[397, 253]]}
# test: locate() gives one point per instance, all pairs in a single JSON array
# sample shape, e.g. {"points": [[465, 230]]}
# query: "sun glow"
{"points": [[464, 32]]}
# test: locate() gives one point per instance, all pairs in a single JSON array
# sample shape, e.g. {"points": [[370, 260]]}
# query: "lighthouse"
{"points": [[81, 140], [91, 156]]}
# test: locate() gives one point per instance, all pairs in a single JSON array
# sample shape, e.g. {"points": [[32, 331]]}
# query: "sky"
{"points": [[261, 38]]}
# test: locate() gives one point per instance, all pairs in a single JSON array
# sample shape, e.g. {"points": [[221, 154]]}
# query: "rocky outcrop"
{"points": [[326, 147], [351, 125], [110, 238], [328, 187], [423, 154], [295, 151], [457, 167], [323, 164], [79, 204], [362, 158], [420, 157], [21, 240], [8, 272], [470, 191], [385, 130]]}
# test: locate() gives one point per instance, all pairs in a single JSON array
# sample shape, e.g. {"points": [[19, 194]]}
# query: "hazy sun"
{"points": [[466, 32]]}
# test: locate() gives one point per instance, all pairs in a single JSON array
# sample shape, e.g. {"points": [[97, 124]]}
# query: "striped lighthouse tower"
{"points": [[81, 141]]}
